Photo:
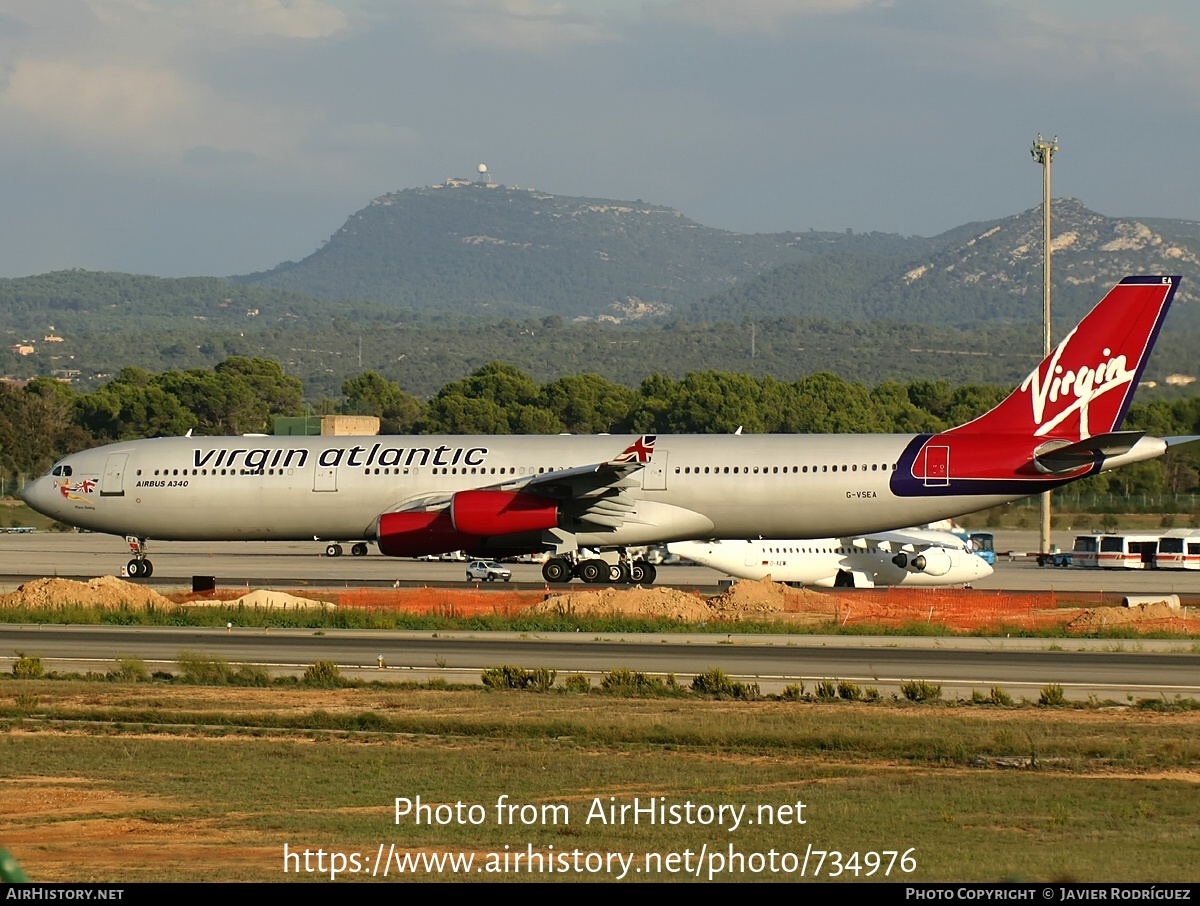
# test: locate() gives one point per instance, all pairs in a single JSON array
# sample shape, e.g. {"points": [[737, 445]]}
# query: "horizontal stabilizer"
{"points": [[1180, 440], [1086, 452]]}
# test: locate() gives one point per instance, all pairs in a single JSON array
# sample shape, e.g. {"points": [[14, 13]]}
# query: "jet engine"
{"points": [[933, 561], [418, 534], [487, 513]]}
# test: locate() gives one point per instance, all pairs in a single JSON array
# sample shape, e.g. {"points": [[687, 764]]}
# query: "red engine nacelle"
{"points": [[487, 513], [418, 534]]}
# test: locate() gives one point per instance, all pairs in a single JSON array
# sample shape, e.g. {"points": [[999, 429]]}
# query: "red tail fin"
{"points": [[1084, 387]]}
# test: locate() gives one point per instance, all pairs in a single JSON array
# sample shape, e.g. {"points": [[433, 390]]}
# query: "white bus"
{"points": [[1115, 551], [1179, 549]]}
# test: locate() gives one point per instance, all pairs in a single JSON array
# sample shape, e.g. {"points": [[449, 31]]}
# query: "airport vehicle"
{"points": [[1056, 558], [497, 496], [909, 557], [983, 545], [488, 571], [1115, 551], [1179, 549]]}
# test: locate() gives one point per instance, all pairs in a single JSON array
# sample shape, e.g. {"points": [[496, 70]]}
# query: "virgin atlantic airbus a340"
{"points": [[504, 495]]}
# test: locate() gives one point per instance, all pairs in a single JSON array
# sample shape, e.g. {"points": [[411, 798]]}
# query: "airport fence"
{"points": [[959, 609], [444, 602], [1068, 501]]}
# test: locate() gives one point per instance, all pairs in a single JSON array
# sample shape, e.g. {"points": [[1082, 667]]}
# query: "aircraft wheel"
{"points": [[359, 550], [637, 572], [133, 568], [556, 570], [593, 571], [649, 573], [147, 569], [619, 574], [333, 550]]}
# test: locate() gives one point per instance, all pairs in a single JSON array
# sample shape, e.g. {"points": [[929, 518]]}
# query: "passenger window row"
{"points": [[795, 470]]}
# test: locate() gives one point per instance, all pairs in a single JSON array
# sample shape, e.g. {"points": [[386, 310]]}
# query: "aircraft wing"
{"points": [[593, 493], [912, 539], [579, 481]]}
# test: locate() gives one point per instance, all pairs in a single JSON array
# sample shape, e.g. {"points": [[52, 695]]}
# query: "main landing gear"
{"points": [[139, 567], [594, 571], [334, 549]]}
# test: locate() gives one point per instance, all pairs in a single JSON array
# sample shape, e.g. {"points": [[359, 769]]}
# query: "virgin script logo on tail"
{"points": [[1081, 386], [1084, 387]]}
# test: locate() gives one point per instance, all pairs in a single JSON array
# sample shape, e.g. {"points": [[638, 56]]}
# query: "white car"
{"points": [[488, 571]]}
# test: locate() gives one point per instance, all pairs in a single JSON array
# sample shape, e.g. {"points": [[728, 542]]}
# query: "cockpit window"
{"points": [[62, 470]]}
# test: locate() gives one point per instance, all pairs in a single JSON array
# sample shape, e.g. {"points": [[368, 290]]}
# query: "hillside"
{"points": [[73, 301], [489, 272], [979, 273], [489, 249]]}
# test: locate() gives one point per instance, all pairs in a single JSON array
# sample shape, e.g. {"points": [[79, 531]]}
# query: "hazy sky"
{"points": [[213, 137]]}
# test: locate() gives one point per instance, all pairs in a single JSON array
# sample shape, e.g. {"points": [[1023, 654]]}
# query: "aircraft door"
{"points": [[325, 478], [112, 484], [654, 476], [937, 466]]}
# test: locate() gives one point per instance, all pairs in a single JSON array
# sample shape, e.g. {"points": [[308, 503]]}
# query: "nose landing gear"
{"points": [[139, 567]]}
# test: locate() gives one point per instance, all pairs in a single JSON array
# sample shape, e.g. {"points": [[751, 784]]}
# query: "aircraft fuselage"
{"points": [[293, 488]]}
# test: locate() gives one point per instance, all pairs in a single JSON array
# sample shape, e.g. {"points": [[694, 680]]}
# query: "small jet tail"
{"points": [[1084, 387]]}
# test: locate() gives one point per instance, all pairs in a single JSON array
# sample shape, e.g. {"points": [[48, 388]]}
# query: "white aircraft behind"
{"points": [[911, 557]]}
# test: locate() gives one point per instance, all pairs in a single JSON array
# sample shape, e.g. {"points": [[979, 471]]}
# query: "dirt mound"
{"points": [[271, 600], [1140, 615], [765, 596], [743, 600], [105, 592], [648, 602]]}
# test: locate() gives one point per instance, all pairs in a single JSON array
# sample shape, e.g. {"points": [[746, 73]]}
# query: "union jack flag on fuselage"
{"points": [[639, 451]]}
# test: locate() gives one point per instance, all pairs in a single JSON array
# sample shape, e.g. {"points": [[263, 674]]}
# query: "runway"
{"points": [[1086, 669], [282, 564], [1103, 670]]}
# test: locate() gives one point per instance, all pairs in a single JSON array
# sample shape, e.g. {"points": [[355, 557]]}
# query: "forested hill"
{"points": [[488, 248], [482, 268], [985, 273], [488, 252], [75, 301]]}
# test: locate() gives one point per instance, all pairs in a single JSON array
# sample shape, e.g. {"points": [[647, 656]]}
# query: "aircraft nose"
{"points": [[37, 497]]}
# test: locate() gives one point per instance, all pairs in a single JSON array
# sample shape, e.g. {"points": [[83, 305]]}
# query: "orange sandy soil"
{"points": [[57, 819], [960, 610]]}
